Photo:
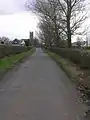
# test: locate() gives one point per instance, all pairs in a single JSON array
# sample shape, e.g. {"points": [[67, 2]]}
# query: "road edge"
{"points": [[20, 61]]}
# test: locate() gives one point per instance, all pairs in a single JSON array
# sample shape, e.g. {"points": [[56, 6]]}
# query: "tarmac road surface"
{"points": [[38, 90]]}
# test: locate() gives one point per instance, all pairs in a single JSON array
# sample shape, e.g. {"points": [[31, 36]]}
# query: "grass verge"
{"points": [[9, 61], [66, 65]]}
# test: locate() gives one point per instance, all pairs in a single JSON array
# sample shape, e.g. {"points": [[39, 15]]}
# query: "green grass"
{"points": [[10, 61], [66, 65]]}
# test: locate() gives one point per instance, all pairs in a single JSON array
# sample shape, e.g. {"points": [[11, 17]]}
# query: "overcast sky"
{"points": [[15, 22]]}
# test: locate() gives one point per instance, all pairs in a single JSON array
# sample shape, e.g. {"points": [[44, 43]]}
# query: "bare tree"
{"points": [[47, 10], [73, 16], [65, 16], [46, 28]]}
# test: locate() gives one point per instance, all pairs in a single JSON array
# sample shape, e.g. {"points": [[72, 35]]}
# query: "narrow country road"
{"points": [[38, 90]]}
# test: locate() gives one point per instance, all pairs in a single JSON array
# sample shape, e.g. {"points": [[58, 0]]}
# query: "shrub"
{"points": [[71, 54], [77, 56], [9, 50], [85, 60]]}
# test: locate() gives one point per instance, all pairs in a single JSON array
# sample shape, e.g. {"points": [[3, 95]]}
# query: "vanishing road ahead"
{"points": [[38, 90]]}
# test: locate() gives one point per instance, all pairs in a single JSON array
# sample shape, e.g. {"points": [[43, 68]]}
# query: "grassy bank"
{"points": [[69, 68], [8, 62]]}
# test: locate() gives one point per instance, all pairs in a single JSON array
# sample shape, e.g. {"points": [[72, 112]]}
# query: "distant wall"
{"points": [[9, 50]]}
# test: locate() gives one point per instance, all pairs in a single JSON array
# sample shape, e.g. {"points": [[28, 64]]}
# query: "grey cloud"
{"points": [[11, 6]]}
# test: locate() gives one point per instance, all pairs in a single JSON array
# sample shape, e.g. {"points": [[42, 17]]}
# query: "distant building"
{"points": [[17, 42], [83, 43], [22, 43], [85, 39]]}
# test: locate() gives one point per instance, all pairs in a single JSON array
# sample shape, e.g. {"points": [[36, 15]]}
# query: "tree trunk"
{"points": [[57, 35], [69, 36], [68, 24]]}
